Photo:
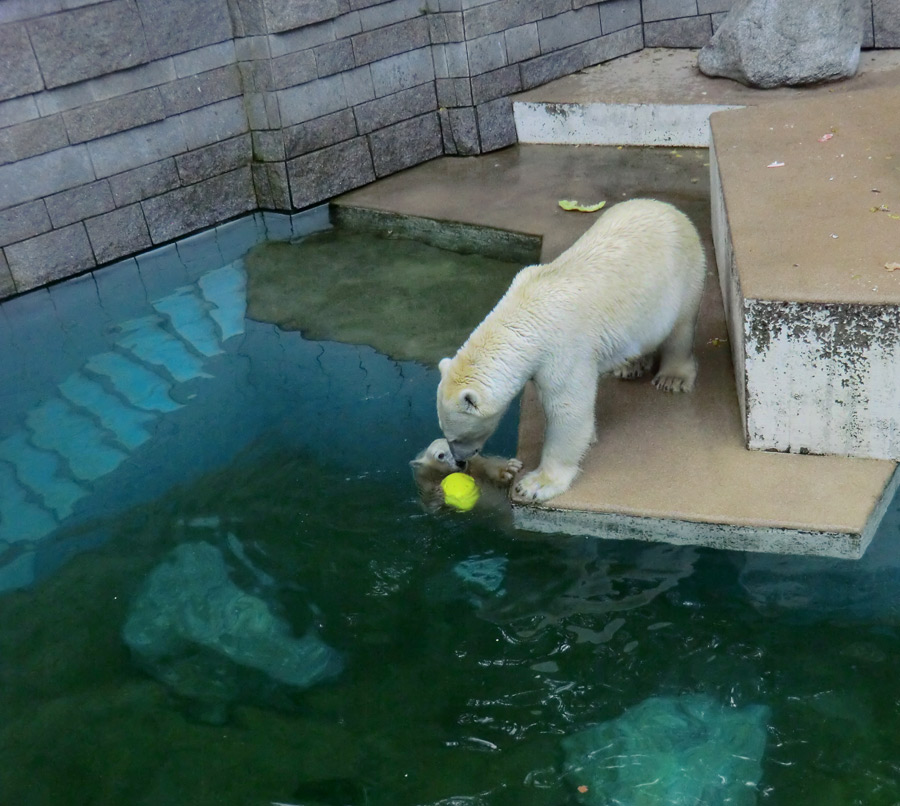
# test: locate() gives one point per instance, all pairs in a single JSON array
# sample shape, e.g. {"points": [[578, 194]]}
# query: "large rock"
{"points": [[773, 43]]}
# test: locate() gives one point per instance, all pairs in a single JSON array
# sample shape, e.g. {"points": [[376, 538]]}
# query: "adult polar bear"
{"points": [[631, 285]]}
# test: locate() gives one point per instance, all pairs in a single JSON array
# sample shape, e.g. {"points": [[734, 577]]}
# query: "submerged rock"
{"points": [[775, 43], [192, 628], [485, 573], [670, 751]]}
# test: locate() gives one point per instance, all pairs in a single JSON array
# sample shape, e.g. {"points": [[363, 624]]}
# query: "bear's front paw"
{"points": [[541, 485], [508, 472]]}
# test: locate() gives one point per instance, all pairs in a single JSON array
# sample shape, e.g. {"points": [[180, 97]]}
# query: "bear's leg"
{"points": [[569, 431], [494, 468], [677, 366]]}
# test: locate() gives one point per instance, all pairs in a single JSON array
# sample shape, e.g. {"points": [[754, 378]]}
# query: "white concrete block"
{"points": [[822, 378], [685, 125]]}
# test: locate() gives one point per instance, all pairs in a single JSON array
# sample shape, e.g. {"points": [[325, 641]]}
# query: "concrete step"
{"points": [[806, 221], [148, 340], [126, 423], [189, 316], [55, 426], [21, 519], [42, 473], [226, 289]]}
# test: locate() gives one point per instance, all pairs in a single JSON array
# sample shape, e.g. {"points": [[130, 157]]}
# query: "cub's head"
{"points": [[430, 468], [465, 414], [437, 457]]}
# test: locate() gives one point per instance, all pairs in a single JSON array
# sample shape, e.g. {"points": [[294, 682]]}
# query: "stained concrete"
{"points": [[671, 468]]}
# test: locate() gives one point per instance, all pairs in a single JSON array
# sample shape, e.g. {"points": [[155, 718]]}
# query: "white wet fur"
{"points": [[629, 287]]}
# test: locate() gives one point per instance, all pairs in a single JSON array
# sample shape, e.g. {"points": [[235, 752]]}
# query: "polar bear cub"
{"points": [[436, 462], [629, 287]]}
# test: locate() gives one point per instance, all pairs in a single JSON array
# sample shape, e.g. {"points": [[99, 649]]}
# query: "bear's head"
{"points": [[465, 413]]}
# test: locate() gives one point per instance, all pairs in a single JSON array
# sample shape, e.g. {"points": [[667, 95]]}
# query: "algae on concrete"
{"points": [[406, 299]]}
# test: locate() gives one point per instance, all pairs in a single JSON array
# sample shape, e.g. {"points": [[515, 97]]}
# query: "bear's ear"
{"points": [[469, 400], [443, 365]]}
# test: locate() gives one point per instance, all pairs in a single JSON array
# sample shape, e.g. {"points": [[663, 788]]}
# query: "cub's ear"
{"points": [[417, 462], [443, 365], [469, 400]]}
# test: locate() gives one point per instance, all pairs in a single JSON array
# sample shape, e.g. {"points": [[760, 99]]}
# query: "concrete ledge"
{"points": [[735, 537], [657, 97], [806, 217], [674, 469], [492, 242]]}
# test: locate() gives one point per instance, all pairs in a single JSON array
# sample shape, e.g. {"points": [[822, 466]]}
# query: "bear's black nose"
{"points": [[461, 464]]}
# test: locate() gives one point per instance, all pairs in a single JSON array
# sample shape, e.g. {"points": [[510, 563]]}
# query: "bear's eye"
{"points": [[441, 456]]}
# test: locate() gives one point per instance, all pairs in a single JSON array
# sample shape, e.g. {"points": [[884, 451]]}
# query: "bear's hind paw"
{"points": [[634, 368], [673, 383]]}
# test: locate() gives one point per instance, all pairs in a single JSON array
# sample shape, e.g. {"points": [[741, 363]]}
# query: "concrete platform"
{"points": [[668, 468], [658, 97], [806, 221]]}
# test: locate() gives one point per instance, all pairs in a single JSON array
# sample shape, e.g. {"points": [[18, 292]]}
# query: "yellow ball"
{"points": [[460, 491]]}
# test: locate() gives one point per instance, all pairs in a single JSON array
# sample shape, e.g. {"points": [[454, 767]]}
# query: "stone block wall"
{"points": [[126, 124], [122, 126]]}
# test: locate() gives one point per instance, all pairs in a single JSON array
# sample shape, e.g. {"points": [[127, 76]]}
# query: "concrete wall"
{"points": [[125, 124]]}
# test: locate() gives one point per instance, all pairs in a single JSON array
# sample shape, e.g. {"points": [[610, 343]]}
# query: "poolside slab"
{"points": [[659, 97], [666, 468], [806, 221]]}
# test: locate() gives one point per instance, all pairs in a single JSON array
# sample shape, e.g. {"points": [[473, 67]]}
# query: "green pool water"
{"points": [[467, 654]]}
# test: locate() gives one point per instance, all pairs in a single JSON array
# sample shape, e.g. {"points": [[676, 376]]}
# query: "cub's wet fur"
{"points": [[436, 462]]}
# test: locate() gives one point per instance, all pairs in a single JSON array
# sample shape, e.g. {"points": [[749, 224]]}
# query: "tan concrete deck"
{"points": [[843, 192], [678, 459]]}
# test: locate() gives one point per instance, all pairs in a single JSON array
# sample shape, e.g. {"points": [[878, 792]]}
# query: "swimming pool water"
{"points": [[238, 498]]}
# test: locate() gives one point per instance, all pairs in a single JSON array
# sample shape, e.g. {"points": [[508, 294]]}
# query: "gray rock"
{"points": [[193, 629], [772, 43]]}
